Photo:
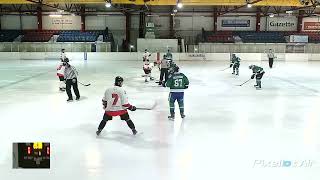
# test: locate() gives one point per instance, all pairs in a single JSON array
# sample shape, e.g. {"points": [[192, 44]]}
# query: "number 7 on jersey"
{"points": [[116, 97]]}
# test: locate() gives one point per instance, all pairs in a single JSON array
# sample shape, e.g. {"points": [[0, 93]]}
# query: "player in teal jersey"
{"points": [[235, 62], [258, 72], [177, 82]]}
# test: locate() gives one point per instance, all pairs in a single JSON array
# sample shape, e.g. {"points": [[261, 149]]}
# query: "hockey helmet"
{"points": [[118, 80], [251, 66]]}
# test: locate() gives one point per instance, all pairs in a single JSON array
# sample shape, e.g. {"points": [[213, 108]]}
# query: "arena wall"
{"points": [[135, 56]]}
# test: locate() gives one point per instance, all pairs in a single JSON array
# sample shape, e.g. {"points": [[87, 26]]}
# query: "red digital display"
{"points": [[29, 150]]}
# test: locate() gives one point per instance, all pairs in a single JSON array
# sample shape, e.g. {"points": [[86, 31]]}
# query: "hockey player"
{"points": [[70, 74], [177, 83], [258, 72], [146, 55], [171, 68], [147, 68], [235, 63], [63, 55], [270, 57], [169, 55], [60, 74], [115, 103], [164, 70]]}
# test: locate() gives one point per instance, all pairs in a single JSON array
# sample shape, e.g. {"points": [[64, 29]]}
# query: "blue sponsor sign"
{"points": [[235, 23]]}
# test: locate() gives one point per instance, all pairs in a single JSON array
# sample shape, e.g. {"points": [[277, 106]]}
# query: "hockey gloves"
{"points": [[132, 108], [252, 77], [230, 65]]}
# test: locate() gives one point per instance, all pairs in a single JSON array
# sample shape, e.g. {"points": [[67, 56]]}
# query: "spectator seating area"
{"points": [[314, 37], [38, 36], [220, 37], [78, 36], [9, 35], [205, 36], [261, 37], [253, 37], [64, 36]]}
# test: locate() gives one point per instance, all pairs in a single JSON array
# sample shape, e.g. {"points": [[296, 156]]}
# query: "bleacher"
{"points": [[217, 37], [38, 36], [78, 36], [313, 37], [9, 35], [261, 37]]}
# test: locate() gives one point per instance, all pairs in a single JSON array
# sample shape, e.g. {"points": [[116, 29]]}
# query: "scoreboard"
{"points": [[33, 155]]}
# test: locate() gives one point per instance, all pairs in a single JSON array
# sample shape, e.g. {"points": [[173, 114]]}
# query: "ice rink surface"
{"points": [[229, 132]]}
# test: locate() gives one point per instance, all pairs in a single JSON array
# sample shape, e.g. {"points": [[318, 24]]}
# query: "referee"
{"points": [[70, 75], [271, 57]]}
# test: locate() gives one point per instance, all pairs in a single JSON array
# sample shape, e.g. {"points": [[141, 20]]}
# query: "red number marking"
{"points": [[116, 97]]}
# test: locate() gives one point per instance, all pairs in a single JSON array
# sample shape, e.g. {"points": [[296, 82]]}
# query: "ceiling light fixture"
{"points": [[108, 3], [179, 5]]}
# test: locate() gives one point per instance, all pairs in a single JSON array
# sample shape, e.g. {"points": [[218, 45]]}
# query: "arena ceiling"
{"points": [[292, 3]]}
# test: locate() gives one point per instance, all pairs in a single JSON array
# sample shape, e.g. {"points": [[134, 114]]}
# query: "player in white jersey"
{"points": [[115, 103], [147, 68], [146, 55], [60, 74], [63, 55]]}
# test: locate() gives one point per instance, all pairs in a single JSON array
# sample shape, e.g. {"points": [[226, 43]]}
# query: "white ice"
{"points": [[228, 131]]}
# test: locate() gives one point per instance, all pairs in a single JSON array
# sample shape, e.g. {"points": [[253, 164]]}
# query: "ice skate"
{"points": [[134, 132], [62, 89], [171, 117], [151, 78], [68, 100], [77, 98], [98, 132], [183, 116], [146, 80]]}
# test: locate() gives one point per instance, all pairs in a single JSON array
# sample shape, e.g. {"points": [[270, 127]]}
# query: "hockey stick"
{"points": [[244, 82], [84, 84], [141, 108], [225, 69], [147, 108]]}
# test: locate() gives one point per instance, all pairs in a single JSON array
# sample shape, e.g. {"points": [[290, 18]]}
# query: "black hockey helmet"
{"points": [[66, 60], [251, 66], [118, 80]]}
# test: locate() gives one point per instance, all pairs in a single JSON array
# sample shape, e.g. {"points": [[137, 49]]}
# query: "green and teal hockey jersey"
{"points": [[177, 82], [257, 69], [235, 60]]}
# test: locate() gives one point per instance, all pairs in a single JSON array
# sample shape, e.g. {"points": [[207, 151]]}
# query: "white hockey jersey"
{"points": [[60, 69], [63, 56], [116, 101], [147, 65], [146, 56]]}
